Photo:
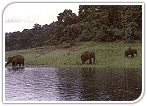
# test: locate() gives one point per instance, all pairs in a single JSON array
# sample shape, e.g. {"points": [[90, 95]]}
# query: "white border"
{"points": [[88, 3]]}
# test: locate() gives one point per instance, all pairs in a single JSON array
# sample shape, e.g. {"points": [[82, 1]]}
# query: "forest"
{"points": [[97, 23]]}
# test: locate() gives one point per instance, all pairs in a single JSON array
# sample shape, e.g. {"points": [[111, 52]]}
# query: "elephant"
{"points": [[130, 52], [16, 60], [72, 27], [88, 56]]}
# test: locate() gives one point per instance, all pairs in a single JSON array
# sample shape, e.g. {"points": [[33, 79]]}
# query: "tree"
{"points": [[67, 17], [104, 23], [114, 21]]}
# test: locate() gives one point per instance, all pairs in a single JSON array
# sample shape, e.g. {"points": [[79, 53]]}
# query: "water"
{"points": [[72, 84]]}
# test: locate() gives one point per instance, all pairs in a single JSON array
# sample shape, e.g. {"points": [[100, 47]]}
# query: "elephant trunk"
{"points": [[6, 64]]}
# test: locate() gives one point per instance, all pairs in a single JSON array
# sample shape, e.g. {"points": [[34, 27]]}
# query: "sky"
{"points": [[19, 16]]}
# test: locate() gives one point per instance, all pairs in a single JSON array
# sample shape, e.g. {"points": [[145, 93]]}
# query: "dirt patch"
{"points": [[71, 48]]}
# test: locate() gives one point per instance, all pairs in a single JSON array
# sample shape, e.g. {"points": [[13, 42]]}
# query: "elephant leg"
{"points": [[132, 56], [83, 61], [93, 60], [22, 65], [13, 65], [90, 61]]}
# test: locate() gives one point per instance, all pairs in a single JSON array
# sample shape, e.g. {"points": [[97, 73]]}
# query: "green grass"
{"points": [[109, 54]]}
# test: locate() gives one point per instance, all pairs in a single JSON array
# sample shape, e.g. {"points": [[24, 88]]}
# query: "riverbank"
{"points": [[107, 54]]}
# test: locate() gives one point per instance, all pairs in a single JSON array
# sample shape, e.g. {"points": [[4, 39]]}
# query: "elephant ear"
{"points": [[10, 58]]}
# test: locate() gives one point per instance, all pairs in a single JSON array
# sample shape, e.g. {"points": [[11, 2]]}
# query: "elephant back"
{"points": [[18, 58], [88, 54]]}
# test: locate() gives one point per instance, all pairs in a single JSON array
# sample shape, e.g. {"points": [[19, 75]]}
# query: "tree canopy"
{"points": [[103, 23]]}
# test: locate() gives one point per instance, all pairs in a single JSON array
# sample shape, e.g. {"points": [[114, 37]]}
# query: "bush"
{"points": [[117, 33], [84, 35]]}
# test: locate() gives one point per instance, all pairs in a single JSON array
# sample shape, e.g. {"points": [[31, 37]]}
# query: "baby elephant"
{"points": [[88, 56], [130, 52], [16, 60]]}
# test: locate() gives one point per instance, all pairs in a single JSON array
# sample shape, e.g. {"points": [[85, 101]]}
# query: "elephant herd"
{"points": [[15, 60]]}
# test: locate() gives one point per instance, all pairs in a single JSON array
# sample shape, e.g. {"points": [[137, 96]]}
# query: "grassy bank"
{"points": [[107, 55]]}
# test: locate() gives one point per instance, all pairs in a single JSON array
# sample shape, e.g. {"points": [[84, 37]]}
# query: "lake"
{"points": [[72, 84]]}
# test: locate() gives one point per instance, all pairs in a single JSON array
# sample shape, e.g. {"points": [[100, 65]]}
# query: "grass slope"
{"points": [[109, 54]]}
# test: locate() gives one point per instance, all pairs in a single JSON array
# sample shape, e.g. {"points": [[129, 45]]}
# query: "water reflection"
{"points": [[88, 86], [69, 87], [72, 84]]}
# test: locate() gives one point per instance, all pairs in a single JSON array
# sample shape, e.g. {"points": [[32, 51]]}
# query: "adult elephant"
{"points": [[130, 52], [88, 56], [16, 60]]}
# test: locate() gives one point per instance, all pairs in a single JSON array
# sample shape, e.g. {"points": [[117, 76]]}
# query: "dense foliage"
{"points": [[103, 23]]}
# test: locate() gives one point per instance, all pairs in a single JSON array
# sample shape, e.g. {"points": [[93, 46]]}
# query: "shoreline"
{"points": [[107, 54]]}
